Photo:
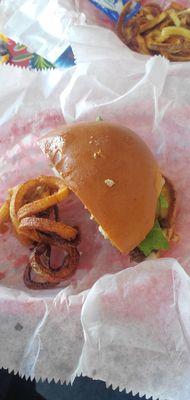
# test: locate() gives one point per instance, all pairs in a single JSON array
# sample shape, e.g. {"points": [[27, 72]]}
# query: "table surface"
{"points": [[12, 388]]}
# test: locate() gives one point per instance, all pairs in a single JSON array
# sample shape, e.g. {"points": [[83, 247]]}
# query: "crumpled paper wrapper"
{"points": [[44, 25], [40, 25], [126, 326]]}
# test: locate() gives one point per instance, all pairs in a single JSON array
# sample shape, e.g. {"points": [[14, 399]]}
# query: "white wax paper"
{"points": [[129, 327], [43, 25], [137, 326]]}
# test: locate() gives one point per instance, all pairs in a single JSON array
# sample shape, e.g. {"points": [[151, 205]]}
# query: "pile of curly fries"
{"points": [[32, 209], [156, 31]]}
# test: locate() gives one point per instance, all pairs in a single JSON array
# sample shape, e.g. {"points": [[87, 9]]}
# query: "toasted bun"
{"points": [[113, 173]]}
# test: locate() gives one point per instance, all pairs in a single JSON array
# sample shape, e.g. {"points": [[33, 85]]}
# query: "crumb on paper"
{"points": [[94, 372], [98, 154], [109, 182], [18, 327]]}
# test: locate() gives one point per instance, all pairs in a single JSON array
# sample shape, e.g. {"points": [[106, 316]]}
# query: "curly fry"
{"points": [[146, 14], [30, 208], [121, 21], [163, 24], [15, 202], [34, 187], [5, 212], [173, 30], [153, 31], [42, 204], [172, 46], [67, 268], [29, 188], [140, 43], [152, 9], [33, 284], [179, 57], [152, 23], [45, 225], [173, 15]]}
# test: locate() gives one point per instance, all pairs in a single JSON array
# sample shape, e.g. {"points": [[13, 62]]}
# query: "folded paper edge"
{"points": [[50, 379], [26, 68], [37, 378], [126, 390], [66, 382]]}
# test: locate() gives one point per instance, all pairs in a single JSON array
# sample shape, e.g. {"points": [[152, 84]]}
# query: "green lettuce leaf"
{"points": [[155, 240], [163, 201]]}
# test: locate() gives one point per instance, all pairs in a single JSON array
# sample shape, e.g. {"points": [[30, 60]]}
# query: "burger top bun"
{"points": [[113, 173]]}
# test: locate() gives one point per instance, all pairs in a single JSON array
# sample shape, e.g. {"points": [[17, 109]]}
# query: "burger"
{"points": [[117, 178]]}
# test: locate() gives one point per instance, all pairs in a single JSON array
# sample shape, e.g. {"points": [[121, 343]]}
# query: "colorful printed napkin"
{"points": [[18, 54]]}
